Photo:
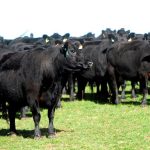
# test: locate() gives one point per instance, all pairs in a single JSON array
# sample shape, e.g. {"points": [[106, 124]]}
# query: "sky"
{"points": [[77, 17]]}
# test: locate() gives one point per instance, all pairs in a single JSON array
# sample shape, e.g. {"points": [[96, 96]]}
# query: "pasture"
{"points": [[85, 125]]}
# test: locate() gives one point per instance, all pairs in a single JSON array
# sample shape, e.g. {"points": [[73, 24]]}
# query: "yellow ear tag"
{"points": [[80, 46], [47, 40], [64, 40], [130, 40]]}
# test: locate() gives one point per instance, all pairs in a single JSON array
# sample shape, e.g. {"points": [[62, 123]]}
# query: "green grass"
{"points": [[85, 125]]}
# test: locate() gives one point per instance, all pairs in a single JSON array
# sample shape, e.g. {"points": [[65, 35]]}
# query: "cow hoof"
{"points": [[116, 102], [12, 133], [52, 135], [123, 97], [144, 104], [57, 107], [133, 97], [37, 137]]}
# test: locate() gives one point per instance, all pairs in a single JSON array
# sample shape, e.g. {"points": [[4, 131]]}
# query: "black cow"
{"points": [[22, 44], [26, 75], [96, 52], [130, 61]]}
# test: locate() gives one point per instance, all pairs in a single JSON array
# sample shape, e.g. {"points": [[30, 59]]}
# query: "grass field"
{"points": [[86, 125]]}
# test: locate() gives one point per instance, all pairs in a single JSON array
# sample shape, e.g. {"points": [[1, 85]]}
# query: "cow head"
{"points": [[74, 59]]}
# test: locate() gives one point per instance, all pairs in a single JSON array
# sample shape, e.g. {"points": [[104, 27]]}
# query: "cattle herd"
{"points": [[34, 71]]}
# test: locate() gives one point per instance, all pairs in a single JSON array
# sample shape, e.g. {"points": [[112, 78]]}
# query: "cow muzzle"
{"points": [[88, 65]]}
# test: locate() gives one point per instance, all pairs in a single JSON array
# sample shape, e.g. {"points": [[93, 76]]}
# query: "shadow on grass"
{"points": [[101, 100], [66, 99], [89, 97], [136, 103], [30, 133]]}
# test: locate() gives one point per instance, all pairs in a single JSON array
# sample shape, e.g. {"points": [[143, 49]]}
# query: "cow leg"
{"points": [[114, 90], [36, 117], [34, 105], [113, 84], [144, 84], [97, 88], [23, 112], [51, 129], [81, 88], [123, 87], [12, 114], [91, 84], [51, 109], [133, 95], [104, 89], [71, 86], [59, 104], [4, 110], [140, 87]]}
